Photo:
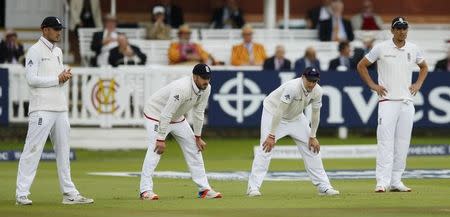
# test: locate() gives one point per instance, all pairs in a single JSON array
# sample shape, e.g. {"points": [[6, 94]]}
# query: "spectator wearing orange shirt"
{"points": [[248, 52], [184, 51]]}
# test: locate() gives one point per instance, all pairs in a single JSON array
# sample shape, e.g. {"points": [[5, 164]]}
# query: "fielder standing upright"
{"points": [[47, 79], [283, 116], [164, 113], [395, 61]]}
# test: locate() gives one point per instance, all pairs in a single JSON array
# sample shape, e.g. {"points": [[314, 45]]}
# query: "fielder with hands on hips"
{"points": [[283, 116], [164, 113], [395, 61], [48, 108]]}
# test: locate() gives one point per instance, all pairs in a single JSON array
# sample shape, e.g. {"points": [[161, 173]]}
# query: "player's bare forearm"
{"points": [[423, 72]]}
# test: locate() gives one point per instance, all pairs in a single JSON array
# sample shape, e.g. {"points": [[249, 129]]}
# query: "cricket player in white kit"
{"points": [[48, 108], [164, 113], [395, 61], [283, 116]]}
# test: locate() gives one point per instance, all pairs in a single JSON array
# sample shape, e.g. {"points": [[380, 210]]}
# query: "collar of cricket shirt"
{"points": [[195, 88], [305, 92], [47, 43]]}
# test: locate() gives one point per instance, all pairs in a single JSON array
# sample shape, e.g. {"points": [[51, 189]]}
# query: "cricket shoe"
{"points": [[209, 194], [380, 189], [253, 193], [23, 200], [329, 192], [148, 195], [70, 199], [400, 188]]}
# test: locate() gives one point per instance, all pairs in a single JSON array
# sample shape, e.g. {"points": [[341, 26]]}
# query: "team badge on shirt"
{"points": [[287, 97], [409, 57]]}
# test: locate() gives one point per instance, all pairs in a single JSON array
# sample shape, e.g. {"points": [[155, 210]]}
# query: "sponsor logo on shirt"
{"points": [[287, 97], [177, 97], [390, 55], [45, 59]]}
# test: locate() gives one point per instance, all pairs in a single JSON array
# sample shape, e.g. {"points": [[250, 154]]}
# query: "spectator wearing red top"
{"points": [[367, 19]]}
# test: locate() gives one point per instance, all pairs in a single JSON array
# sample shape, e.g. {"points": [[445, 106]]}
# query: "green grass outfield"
{"points": [[118, 196]]}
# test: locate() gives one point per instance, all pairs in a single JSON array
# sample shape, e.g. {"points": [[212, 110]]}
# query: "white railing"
{"points": [[94, 100]]}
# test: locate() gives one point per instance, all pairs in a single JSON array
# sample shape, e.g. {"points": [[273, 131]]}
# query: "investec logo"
{"points": [[224, 97]]}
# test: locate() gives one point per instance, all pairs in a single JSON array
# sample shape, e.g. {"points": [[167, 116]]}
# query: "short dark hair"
{"points": [[342, 45]]}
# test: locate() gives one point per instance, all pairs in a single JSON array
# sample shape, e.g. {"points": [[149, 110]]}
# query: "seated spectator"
{"points": [[343, 62], [308, 60], [444, 64], [367, 19], [317, 14], [336, 28], [104, 41], [125, 53], [248, 53], [228, 17], [158, 29], [184, 51], [11, 50], [173, 14], [278, 62], [359, 53]]}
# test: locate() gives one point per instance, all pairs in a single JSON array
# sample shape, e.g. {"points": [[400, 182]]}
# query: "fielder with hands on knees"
{"points": [[48, 115], [395, 59], [164, 113], [283, 116]]}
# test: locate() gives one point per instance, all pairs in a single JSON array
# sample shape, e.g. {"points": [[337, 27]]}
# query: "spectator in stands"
{"points": [[343, 62], [336, 28], [367, 19], [11, 50], [318, 14], [173, 14], [359, 53], [248, 52], [83, 14], [309, 60], [125, 53], [278, 62], [104, 41], [228, 17], [184, 51], [158, 29], [444, 64]]}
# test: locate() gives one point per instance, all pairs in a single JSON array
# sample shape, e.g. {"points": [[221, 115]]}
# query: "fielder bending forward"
{"points": [[47, 77], [282, 116], [164, 113], [395, 60]]}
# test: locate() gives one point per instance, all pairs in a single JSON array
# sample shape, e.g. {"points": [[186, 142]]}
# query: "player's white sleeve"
{"points": [[316, 104], [374, 53], [31, 68], [199, 113], [419, 56], [173, 103], [285, 100]]}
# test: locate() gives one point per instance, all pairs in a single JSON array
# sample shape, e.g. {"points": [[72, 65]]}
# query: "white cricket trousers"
{"points": [[395, 122], [183, 134], [299, 131], [42, 124]]}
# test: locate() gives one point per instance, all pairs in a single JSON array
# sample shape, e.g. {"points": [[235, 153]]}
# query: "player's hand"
{"points": [[65, 76], [381, 91], [201, 145], [414, 88], [160, 147], [269, 143], [314, 145]]}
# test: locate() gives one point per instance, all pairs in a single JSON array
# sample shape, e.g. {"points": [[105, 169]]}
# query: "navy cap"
{"points": [[52, 22], [399, 23], [311, 74], [202, 70]]}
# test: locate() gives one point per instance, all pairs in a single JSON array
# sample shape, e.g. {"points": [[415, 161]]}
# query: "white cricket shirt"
{"points": [[44, 62], [395, 67], [294, 94], [172, 102]]}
